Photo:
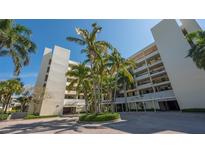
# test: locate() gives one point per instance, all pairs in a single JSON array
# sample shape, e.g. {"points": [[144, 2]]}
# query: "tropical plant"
{"points": [[9, 88], [81, 74], [94, 50], [15, 41], [106, 66], [25, 98], [197, 51], [120, 68]]}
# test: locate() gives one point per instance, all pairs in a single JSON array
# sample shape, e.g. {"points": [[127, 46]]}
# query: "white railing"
{"points": [[70, 102], [140, 68], [146, 85], [148, 97], [142, 76]]}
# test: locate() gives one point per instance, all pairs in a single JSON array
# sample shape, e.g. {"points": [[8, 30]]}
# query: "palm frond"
{"points": [[76, 40]]}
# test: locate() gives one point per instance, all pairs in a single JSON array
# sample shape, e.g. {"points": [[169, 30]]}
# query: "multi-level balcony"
{"points": [[140, 69], [148, 56], [143, 86], [144, 76], [163, 95]]}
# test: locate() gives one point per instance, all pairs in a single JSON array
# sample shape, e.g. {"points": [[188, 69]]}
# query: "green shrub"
{"points": [[193, 110], [32, 116], [3, 116], [99, 117]]}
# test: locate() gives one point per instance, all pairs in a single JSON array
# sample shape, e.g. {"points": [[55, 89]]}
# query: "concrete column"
{"points": [[144, 107]]}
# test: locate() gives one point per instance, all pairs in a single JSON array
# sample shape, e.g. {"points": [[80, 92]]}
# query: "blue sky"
{"points": [[128, 36]]}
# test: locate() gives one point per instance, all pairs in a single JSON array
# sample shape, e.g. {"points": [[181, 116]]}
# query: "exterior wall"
{"points": [[186, 79], [38, 89], [53, 100], [149, 64], [190, 25]]}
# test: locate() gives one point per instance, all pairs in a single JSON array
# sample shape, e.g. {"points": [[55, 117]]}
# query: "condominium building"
{"points": [[152, 89], [164, 78], [50, 92], [73, 102]]}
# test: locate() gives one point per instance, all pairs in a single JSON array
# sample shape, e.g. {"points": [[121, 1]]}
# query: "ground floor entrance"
{"points": [[69, 110], [170, 105]]}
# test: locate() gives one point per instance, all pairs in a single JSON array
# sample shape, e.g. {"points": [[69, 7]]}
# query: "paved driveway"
{"points": [[161, 122], [132, 122]]}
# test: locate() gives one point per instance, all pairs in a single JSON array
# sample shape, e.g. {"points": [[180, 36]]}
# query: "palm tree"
{"points": [[125, 79], [81, 73], [9, 88], [197, 51], [120, 68], [93, 49], [15, 41], [25, 98]]}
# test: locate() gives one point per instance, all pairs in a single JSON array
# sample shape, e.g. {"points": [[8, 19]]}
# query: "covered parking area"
{"points": [[157, 104]]}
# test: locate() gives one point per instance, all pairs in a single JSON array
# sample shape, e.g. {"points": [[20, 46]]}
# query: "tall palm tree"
{"points": [[81, 73], [119, 67], [197, 51], [93, 49], [15, 41], [126, 79]]}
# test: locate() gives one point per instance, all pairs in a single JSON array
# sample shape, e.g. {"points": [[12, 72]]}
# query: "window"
{"points": [[49, 62], [48, 69], [46, 78]]}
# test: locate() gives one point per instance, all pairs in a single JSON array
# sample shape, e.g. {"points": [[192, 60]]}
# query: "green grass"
{"points": [[193, 110], [99, 117], [32, 116], [3, 116]]}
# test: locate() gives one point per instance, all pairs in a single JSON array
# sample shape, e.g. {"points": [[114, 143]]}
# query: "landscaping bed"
{"points": [[3, 116], [99, 117], [32, 116]]}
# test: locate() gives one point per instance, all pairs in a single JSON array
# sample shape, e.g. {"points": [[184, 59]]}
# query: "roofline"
{"points": [[138, 52]]}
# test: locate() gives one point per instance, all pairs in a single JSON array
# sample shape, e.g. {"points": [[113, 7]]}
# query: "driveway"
{"points": [[132, 122], [160, 122]]}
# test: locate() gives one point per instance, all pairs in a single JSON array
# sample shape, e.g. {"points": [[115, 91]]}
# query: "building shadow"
{"points": [[132, 122], [160, 122], [57, 126]]}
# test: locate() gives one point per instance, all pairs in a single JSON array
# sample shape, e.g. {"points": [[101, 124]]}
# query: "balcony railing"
{"points": [[74, 102], [168, 94], [146, 85], [144, 76]]}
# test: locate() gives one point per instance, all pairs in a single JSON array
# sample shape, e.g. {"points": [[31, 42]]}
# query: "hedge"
{"points": [[32, 116], [3, 116], [99, 117]]}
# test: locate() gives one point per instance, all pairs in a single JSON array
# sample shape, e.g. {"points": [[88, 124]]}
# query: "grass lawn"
{"points": [[92, 117]]}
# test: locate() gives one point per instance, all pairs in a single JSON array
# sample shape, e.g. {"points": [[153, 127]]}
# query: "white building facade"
{"points": [[164, 78]]}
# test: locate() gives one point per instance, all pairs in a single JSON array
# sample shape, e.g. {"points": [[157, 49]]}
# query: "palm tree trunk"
{"points": [[86, 101], [94, 98], [114, 96], [6, 106], [125, 92]]}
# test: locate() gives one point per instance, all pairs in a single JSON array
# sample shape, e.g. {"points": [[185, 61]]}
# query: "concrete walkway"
{"points": [[132, 122]]}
